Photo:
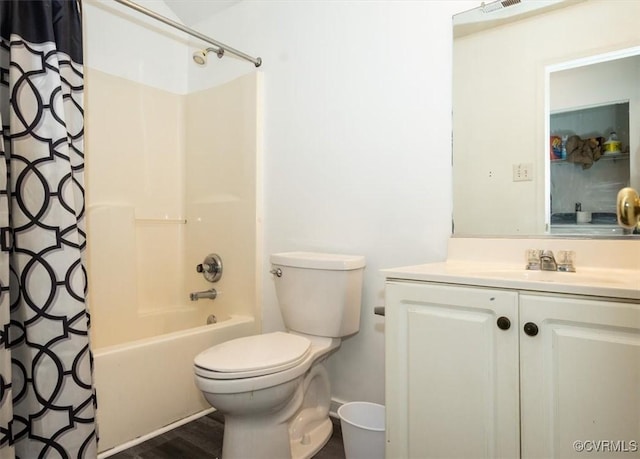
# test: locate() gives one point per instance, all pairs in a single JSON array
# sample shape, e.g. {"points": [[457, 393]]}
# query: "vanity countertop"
{"points": [[611, 283]]}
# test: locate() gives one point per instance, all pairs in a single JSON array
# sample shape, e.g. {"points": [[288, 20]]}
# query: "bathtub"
{"points": [[145, 385]]}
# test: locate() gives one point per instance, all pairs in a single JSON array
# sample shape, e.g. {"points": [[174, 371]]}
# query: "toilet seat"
{"points": [[252, 356]]}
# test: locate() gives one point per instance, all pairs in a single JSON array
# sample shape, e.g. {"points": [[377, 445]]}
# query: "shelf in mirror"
{"points": [[605, 157]]}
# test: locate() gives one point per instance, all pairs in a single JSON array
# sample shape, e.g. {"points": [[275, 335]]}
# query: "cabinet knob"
{"points": [[531, 329], [503, 323]]}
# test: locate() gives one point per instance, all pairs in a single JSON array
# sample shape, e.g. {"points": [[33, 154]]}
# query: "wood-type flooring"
{"points": [[202, 439]]}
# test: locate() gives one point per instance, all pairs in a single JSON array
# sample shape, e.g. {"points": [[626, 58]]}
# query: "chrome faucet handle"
{"points": [[205, 268], [565, 261], [211, 267], [533, 259]]}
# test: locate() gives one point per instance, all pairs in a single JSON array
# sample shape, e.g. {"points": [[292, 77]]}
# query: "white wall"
{"points": [[128, 44], [357, 147]]}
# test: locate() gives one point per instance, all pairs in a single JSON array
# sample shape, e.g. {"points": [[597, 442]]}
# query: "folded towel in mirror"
{"points": [[584, 151]]}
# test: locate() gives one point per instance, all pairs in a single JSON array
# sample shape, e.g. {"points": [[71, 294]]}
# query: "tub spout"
{"points": [[211, 294]]}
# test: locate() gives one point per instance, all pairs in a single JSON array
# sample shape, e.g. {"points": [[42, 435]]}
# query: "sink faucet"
{"points": [[211, 294], [548, 261]]}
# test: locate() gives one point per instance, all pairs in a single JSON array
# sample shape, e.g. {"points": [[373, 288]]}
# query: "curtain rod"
{"points": [[256, 60]]}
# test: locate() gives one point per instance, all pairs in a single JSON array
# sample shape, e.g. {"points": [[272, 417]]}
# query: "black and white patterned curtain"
{"points": [[47, 399]]}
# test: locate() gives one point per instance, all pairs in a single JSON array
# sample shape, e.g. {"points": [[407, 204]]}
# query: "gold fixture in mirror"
{"points": [[628, 208]]}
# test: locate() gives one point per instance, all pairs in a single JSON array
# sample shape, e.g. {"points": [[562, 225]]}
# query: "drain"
{"points": [[212, 319]]}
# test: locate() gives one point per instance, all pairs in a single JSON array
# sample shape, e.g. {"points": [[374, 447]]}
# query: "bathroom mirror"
{"points": [[523, 76]]}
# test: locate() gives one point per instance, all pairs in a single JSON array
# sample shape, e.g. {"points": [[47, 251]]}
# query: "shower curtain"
{"points": [[47, 399]]}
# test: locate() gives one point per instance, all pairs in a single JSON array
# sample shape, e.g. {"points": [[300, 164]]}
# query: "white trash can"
{"points": [[362, 430]]}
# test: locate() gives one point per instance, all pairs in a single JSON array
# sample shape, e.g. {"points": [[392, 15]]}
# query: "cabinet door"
{"points": [[580, 377], [451, 372]]}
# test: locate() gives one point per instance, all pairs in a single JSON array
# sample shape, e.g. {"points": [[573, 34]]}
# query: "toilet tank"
{"points": [[319, 293]]}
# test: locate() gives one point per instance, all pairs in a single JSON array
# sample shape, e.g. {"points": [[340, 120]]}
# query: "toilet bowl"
{"points": [[273, 389], [263, 404]]}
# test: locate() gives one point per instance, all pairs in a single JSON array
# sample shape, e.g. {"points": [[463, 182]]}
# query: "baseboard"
{"points": [[333, 407]]}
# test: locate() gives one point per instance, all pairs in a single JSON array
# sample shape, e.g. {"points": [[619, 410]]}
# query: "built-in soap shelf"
{"points": [[175, 221]]}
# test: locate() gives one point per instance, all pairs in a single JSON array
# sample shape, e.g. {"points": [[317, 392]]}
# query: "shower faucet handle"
{"points": [[211, 267], [205, 268]]}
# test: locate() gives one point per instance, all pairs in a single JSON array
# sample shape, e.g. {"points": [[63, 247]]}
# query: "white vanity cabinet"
{"points": [[460, 383], [579, 376], [451, 373]]}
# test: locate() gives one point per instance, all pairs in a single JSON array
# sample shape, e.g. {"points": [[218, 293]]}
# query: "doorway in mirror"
{"points": [[589, 162]]}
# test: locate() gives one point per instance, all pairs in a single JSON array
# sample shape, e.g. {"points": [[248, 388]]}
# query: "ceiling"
{"points": [[190, 12]]}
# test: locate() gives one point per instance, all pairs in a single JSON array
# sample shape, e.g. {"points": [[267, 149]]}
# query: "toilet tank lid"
{"points": [[317, 260]]}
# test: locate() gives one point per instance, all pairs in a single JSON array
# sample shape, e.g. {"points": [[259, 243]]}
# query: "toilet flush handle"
{"points": [[276, 272]]}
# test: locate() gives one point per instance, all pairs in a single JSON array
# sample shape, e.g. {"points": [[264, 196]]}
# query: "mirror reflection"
{"points": [[590, 144], [543, 134]]}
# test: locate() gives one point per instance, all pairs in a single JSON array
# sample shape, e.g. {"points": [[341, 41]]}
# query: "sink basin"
{"points": [[600, 278]]}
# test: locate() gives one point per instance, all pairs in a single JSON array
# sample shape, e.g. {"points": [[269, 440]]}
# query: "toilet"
{"points": [[273, 389]]}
